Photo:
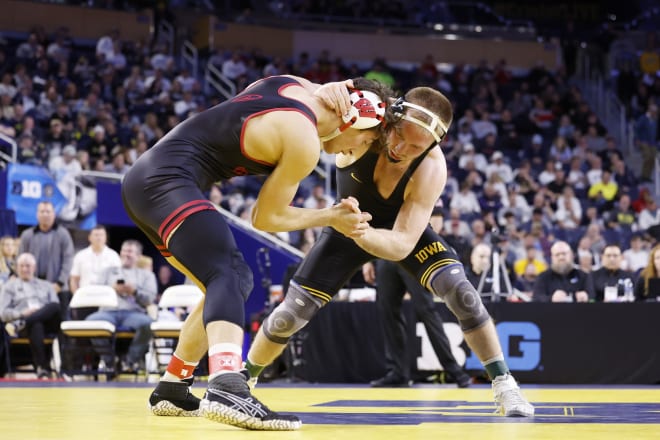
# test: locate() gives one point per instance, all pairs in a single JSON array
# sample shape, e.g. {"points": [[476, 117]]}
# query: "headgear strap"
{"points": [[398, 108]]}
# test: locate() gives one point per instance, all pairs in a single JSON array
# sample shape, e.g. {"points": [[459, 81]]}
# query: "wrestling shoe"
{"points": [[174, 399], [508, 398], [228, 400]]}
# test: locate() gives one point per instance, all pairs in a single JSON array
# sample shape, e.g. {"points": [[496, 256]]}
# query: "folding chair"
{"points": [[77, 334], [166, 331], [17, 355]]}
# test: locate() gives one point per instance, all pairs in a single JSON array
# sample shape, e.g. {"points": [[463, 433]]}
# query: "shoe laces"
{"points": [[513, 397]]}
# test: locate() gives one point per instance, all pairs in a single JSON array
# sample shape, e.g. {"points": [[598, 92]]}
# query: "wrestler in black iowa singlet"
{"points": [[334, 259]]}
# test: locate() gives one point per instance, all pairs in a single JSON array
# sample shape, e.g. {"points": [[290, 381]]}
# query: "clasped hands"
{"points": [[349, 220]]}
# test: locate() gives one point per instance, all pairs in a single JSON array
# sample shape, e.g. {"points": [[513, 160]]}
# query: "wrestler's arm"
{"points": [[273, 212], [334, 94], [422, 192]]}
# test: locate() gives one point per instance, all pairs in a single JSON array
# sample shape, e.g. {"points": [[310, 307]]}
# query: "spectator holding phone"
{"points": [[136, 289]]}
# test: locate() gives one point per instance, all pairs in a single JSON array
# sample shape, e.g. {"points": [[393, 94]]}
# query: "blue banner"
{"points": [[28, 185]]}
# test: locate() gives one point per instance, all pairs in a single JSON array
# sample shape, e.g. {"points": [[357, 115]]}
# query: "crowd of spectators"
{"points": [[529, 160], [533, 173]]}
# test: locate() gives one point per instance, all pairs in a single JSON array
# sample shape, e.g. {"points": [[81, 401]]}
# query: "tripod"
{"points": [[500, 276]]}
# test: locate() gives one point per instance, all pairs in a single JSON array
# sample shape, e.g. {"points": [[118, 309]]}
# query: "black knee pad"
{"points": [[244, 274], [228, 290], [451, 284]]}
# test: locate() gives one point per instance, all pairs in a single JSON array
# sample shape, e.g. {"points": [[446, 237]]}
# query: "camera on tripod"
{"points": [[497, 274]]}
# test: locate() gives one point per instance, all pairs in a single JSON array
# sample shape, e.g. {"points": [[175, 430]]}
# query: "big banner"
{"points": [[28, 185]]}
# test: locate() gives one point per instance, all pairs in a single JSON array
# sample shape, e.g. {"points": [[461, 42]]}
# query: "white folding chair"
{"points": [[165, 332], [90, 296]]}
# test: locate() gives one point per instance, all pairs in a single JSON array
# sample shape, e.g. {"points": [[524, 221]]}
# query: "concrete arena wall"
{"points": [[395, 48], [84, 23]]}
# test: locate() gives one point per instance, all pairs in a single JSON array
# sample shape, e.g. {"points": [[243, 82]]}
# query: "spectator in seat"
{"points": [[651, 271], [8, 248], [636, 257], [469, 155], [532, 257], [118, 164], [90, 262], [30, 307], [562, 282], [560, 151], [643, 200], [137, 290], [539, 220], [524, 284], [576, 177], [526, 184], [623, 176], [234, 66], [649, 220], [536, 154], [498, 166], [603, 192], [318, 198], [569, 210], [66, 165], [611, 274], [465, 201], [622, 217]]}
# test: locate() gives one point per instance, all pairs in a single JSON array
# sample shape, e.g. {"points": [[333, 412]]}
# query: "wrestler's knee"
{"points": [[244, 274], [461, 297], [291, 315]]}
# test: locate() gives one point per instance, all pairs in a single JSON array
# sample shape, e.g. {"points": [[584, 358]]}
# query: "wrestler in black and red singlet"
{"points": [[168, 182], [166, 186]]}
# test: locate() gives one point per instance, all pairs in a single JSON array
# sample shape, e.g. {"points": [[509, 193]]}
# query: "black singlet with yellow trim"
{"points": [[208, 147], [334, 258], [357, 180]]}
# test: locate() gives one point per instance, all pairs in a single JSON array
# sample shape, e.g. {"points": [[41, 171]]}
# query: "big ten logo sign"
{"points": [[31, 189], [521, 345]]}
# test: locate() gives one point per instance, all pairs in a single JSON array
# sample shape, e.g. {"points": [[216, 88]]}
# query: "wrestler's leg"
{"points": [[443, 274], [327, 267]]}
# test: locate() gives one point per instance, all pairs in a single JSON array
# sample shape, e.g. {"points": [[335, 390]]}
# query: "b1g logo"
{"points": [[31, 189], [521, 345]]}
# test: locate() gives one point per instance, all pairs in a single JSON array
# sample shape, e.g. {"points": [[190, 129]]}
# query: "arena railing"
{"points": [[14, 149], [214, 78], [190, 55]]}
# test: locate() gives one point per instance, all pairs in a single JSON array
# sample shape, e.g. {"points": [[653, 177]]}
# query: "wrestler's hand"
{"points": [[351, 203], [335, 95], [349, 220]]}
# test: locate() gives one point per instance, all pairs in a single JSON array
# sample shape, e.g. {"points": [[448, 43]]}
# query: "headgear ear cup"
{"points": [[367, 110]]}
